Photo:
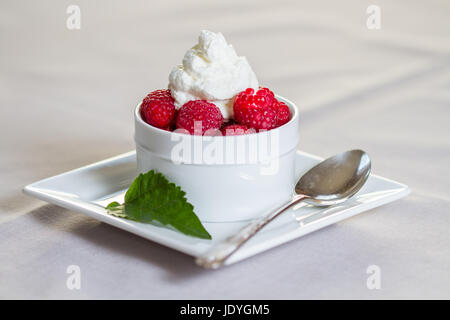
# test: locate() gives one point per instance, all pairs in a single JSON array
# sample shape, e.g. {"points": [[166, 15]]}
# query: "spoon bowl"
{"points": [[336, 179]]}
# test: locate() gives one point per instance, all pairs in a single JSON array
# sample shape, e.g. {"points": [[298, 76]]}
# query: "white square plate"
{"points": [[89, 189]]}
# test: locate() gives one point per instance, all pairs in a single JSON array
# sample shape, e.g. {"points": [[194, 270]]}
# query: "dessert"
{"points": [[214, 91], [230, 143]]}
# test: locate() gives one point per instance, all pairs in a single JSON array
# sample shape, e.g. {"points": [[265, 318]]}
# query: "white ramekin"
{"points": [[221, 192]]}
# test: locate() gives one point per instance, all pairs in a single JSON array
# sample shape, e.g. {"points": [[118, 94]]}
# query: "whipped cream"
{"points": [[212, 71]]}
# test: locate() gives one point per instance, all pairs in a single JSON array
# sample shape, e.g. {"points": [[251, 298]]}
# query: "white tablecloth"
{"points": [[67, 98]]}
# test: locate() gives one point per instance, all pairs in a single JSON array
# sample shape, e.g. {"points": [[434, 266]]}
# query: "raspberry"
{"points": [[256, 110], [207, 115], [158, 109], [236, 130], [283, 113]]}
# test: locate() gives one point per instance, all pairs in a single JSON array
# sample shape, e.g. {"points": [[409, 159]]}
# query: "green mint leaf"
{"points": [[151, 197], [116, 209], [113, 205]]}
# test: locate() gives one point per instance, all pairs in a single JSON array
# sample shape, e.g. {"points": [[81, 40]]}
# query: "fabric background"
{"points": [[66, 100]]}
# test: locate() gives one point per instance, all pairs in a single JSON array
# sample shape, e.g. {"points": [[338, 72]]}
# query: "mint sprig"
{"points": [[152, 198]]}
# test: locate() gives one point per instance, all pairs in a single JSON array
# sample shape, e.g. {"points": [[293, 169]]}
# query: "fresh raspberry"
{"points": [[207, 117], [283, 113], [256, 110], [158, 109], [236, 130]]}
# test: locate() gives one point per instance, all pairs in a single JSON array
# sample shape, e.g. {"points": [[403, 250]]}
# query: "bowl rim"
{"points": [[292, 106]]}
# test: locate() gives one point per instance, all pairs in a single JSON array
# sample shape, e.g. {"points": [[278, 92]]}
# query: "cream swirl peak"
{"points": [[212, 71]]}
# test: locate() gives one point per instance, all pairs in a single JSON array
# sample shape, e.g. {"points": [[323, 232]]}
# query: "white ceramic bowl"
{"points": [[226, 178]]}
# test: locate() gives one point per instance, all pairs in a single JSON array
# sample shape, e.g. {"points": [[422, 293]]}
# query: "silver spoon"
{"points": [[330, 182]]}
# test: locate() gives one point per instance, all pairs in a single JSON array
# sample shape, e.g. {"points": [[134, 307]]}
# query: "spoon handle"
{"points": [[217, 256]]}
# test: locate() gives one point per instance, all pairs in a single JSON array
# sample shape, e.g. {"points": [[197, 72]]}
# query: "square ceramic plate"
{"points": [[89, 189]]}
